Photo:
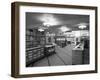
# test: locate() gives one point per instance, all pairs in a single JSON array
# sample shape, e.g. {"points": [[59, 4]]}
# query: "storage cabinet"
{"points": [[35, 41], [34, 54], [36, 47]]}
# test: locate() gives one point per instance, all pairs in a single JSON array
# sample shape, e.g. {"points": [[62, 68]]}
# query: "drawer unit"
{"points": [[33, 55]]}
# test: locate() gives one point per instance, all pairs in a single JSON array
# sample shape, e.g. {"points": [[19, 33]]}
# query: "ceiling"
{"points": [[72, 21]]}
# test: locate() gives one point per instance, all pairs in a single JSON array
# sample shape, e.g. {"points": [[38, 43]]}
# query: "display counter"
{"points": [[77, 54], [49, 50]]}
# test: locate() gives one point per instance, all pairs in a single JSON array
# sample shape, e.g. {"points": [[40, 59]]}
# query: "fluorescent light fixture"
{"points": [[50, 23], [82, 26], [64, 29], [40, 29], [47, 24]]}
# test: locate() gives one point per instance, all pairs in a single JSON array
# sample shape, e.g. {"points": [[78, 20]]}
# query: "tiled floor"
{"points": [[63, 56]]}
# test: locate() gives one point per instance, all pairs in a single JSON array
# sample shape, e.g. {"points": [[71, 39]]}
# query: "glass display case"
{"points": [[49, 50]]}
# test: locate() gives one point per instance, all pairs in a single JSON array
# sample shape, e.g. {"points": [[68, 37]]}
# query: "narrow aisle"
{"points": [[65, 54], [54, 60]]}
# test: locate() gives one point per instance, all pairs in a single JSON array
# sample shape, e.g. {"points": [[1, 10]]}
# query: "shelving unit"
{"points": [[34, 38], [36, 47], [35, 41], [61, 41], [34, 54]]}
